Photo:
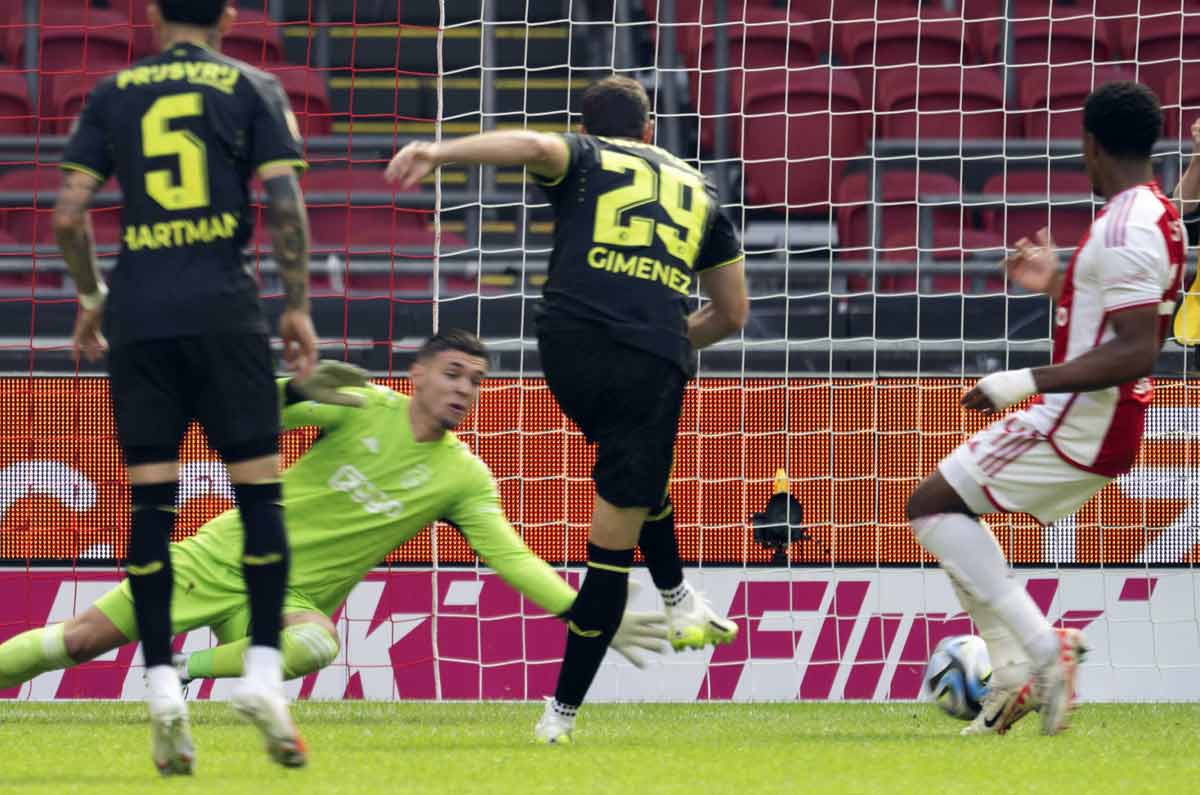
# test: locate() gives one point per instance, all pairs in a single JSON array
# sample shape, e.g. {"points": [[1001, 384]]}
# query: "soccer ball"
{"points": [[957, 675]]}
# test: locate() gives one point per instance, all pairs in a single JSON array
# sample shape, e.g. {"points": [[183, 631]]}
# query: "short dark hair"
{"points": [[616, 107], [201, 13], [1125, 119], [452, 340]]}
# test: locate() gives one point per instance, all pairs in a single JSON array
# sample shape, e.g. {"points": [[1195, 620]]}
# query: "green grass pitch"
{"points": [[363, 748]]}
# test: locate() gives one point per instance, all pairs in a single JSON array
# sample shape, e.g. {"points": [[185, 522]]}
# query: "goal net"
{"points": [[878, 157]]}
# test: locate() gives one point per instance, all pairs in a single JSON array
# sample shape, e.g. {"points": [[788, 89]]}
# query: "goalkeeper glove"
{"points": [[639, 632], [322, 385]]}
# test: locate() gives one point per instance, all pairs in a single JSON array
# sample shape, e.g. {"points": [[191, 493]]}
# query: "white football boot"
{"points": [[554, 728], [693, 624], [171, 734], [267, 708], [1001, 708], [1054, 683]]}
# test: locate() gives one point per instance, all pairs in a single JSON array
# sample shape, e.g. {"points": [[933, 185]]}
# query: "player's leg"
{"points": [[309, 642], [628, 402], [71, 642], [149, 406], [1006, 465], [237, 402], [691, 621]]}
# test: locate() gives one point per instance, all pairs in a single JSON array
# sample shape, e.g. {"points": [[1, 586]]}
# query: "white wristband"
{"points": [[93, 300], [1008, 387]]}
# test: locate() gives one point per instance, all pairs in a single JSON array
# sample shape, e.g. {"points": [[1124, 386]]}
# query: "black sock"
{"points": [[264, 559], [659, 548], [593, 620], [148, 563]]}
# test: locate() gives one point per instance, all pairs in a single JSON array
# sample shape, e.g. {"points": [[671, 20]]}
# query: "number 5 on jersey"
{"points": [[667, 187], [159, 140]]}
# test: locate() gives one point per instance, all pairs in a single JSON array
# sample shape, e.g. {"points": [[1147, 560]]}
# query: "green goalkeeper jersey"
{"points": [[364, 488]]}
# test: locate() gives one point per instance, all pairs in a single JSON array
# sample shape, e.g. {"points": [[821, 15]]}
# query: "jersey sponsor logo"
{"points": [[371, 443], [414, 478], [349, 480], [639, 267], [186, 232], [222, 77], [1061, 316], [1143, 386]]}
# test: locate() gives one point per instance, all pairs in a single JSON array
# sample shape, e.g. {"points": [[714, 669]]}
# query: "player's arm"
{"points": [[73, 232], [324, 397], [1132, 302], [480, 518], [87, 162], [1187, 192], [721, 266], [545, 155]]}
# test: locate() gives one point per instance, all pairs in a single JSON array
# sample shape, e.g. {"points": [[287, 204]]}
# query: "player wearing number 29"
{"points": [[634, 228], [183, 131], [1112, 306]]}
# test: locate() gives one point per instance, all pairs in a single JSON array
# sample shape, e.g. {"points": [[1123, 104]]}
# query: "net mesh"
{"points": [[877, 157]]}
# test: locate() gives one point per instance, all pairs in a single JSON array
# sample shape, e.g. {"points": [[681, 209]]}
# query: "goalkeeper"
{"points": [[384, 467]]}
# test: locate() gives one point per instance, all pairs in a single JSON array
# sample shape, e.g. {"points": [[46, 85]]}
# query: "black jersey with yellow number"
{"points": [[633, 227], [183, 132]]}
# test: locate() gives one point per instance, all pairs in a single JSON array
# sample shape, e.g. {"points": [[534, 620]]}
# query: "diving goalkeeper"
{"points": [[384, 467]]}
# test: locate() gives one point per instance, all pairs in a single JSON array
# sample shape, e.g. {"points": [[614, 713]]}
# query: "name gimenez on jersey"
{"points": [[639, 267]]}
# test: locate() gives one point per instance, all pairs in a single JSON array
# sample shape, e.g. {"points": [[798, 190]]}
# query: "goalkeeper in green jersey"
{"points": [[384, 467]]}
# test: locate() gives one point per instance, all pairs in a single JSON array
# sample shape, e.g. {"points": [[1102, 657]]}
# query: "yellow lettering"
{"points": [[680, 281], [178, 229], [203, 232], [131, 241], [643, 268], [597, 263], [211, 72], [145, 239], [229, 80], [623, 264], [175, 70], [662, 273], [162, 234]]}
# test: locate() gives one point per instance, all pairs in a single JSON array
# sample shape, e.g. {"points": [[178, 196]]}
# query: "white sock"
{"points": [[1010, 664], [565, 711], [969, 553], [673, 597], [263, 664], [162, 679]]}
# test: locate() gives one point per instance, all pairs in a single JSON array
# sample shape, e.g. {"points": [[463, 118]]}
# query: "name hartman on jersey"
{"points": [[186, 232], [648, 268], [222, 77]]}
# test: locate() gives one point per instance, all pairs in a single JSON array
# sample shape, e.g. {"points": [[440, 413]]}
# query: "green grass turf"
{"points": [[367, 748]]}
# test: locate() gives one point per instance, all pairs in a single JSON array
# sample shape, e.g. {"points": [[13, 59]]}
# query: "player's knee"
{"points": [[307, 647]]}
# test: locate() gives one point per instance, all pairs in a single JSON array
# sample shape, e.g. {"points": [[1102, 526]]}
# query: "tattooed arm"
{"points": [[287, 218], [73, 231]]}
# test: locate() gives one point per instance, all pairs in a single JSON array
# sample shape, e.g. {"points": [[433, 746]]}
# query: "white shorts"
{"points": [[1010, 467]]}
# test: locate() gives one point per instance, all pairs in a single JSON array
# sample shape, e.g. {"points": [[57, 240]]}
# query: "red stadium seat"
{"points": [[1162, 45], [791, 124], [1016, 219], [949, 245], [67, 96], [930, 39], [833, 19], [253, 39], [767, 46], [72, 40], [16, 115], [337, 222], [1181, 102], [309, 97], [900, 198], [940, 102], [134, 12], [32, 224], [1052, 40], [1052, 99]]}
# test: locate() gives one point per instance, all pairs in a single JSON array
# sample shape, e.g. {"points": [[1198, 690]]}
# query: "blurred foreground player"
{"points": [[1113, 303], [384, 467], [634, 227], [184, 131]]}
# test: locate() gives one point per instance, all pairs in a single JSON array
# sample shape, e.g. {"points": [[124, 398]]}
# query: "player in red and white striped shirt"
{"points": [[1113, 303]]}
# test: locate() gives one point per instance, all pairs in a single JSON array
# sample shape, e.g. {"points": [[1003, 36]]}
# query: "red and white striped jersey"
{"points": [[1132, 256]]}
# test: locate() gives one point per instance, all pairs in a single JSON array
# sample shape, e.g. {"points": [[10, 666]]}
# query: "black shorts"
{"points": [[626, 401], [226, 382]]}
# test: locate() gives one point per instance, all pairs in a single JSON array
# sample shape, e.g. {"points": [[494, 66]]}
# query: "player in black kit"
{"points": [[183, 132], [634, 229]]}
